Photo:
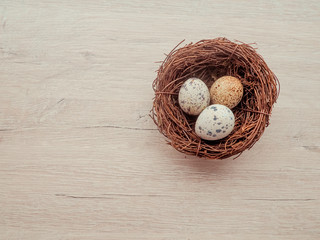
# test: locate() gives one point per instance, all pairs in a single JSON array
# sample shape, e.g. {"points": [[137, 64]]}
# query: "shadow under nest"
{"points": [[209, 60]]}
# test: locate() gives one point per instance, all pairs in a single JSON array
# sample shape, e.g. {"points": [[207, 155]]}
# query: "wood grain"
{"points": [[81, 159]]}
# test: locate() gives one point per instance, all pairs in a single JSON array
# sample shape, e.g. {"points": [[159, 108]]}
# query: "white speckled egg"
{"points": [[215, 122], [194, 96]]}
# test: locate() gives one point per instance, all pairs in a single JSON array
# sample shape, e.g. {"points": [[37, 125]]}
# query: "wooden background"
{"points": [[81, 159]]}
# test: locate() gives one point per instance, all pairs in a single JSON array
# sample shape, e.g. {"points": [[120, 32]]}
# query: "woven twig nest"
{"points": [[209, 60]]}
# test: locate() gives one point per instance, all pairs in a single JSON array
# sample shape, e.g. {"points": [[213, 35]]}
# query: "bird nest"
{"points": [[209, 60]]}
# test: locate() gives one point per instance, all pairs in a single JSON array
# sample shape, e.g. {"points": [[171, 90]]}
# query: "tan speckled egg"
{"points": [[227, 91], [194, 96]]}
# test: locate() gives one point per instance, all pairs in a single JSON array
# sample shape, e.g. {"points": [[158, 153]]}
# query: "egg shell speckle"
{"points": [[227, 91], [194, 96], [215, 122]]}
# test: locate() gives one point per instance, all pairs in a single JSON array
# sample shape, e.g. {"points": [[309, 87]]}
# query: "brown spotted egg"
{"points": [[215, 122], [194, 96], [227, 91]]}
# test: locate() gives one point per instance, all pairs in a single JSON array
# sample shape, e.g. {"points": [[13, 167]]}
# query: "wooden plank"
{"points": [[81, 159]]}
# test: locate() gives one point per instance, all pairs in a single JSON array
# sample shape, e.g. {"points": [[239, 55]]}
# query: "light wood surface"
{"points": [[81, 159]]}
